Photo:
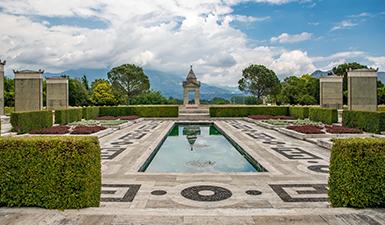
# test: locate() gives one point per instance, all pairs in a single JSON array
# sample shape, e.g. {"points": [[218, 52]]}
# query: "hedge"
{"points": [[299, 112], [243, 111], [324, 115], [141, 111], [90, 113], [66, 116], [373, 122], [50, 172], [25, 122], [357, 173]]}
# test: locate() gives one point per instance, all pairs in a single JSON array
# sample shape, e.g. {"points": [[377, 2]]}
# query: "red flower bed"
{"points": [[106, 118], [87, 129], [342, 130], [62, 129], [307, 129], [128, 117], [269, 117]]}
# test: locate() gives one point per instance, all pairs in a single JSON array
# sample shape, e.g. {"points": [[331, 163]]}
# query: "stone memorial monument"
{"points": [[57, 93], [362, 89], [331, 92], [28, 90], [191, 85], [2, 64]]}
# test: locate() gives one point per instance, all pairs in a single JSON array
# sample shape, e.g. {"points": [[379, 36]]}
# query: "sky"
{"points": [[218, 37]]}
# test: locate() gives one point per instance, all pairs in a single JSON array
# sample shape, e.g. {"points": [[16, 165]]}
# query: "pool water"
{"points": [[198, 148]]}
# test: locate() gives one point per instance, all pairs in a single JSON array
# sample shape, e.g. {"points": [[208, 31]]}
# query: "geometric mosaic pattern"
{"points": [[119, 192], [301, 192], [295, 153], [116, 147]]}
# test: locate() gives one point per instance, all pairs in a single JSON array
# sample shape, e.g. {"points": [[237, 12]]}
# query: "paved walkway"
{"points": [[292, 191]]}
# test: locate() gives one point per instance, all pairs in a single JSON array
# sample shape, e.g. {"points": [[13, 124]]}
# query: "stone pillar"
{"points": [[197, 97], [185, 96], [28, 90], [2, 64], [57, 93], [362, 89], [331, 92]]}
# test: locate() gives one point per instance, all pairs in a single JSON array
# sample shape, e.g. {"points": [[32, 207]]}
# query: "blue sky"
{"points": [[366, 33], [219, 37]]}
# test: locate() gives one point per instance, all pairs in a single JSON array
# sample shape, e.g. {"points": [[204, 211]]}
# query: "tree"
{"points": [[219, 101], [78, 95], [149, 98], [9, 92], [85, 82], [102, 93], [259, 81], [299, 90], [128, 80]]}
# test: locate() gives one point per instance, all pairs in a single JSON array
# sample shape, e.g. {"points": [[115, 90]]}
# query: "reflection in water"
{"points": [[191, 132], [211, 152]]}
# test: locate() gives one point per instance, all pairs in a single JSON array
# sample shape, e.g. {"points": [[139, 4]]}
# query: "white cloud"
{"points": [[291, 38], [345, 24], [377, 62], [166, 35], [249, 19], [363, 14]]}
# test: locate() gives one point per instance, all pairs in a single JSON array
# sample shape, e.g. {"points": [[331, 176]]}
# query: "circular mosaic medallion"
{"points": [[253, 192], [206, 193], [159, 192], [319, 168]]}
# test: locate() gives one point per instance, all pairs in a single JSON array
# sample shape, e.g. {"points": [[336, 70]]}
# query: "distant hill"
{"points": [[381, 77], [170, 85], [319, 73]]}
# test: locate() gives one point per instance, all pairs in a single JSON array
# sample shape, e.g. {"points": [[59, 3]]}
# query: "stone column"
{"points": [[57, 93], [2, 64], [28, 90], [185, 96], [197, 97], [362, 89], [331, 92]]}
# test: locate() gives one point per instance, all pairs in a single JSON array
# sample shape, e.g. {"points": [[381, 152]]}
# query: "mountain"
{"points": [[170, 85], [319, 73], [381, 77]]}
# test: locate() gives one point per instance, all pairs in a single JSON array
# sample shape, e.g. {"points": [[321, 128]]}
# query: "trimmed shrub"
{"points": [[299, 112], [116, 111], [66, 116], [357, 173], [25, 122], [50, 172], [324, 115], [141, 111], [90, 113], [244, 111], [373, 122], [156, 111]]}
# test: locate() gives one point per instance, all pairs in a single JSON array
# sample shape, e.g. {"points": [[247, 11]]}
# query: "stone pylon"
{"points": [[57, 93], [2, 64], [28, 90]]}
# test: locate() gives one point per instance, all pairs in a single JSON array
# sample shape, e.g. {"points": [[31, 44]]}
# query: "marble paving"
{"points": [[293, 190]]}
